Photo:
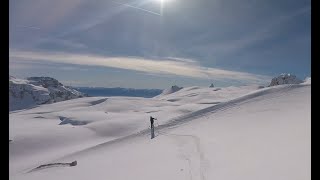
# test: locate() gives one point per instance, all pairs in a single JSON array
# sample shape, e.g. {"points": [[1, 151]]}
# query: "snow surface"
{"points": [[229, 133]]}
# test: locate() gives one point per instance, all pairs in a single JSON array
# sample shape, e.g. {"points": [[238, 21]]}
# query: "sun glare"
{"points": [[162, 1]]}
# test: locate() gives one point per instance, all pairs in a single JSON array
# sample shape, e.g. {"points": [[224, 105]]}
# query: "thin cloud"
{"points": [[182, 59], [32, 65], [29, 27], [43, 14], [104, 16], [62, 43], [162, 67], [258, 35]]}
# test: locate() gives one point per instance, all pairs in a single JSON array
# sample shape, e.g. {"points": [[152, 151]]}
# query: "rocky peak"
{"points": [[285, 79], [38, 90], [44, 81]]}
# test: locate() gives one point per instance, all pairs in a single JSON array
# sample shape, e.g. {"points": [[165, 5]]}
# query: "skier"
{"points": [[152, 126]]}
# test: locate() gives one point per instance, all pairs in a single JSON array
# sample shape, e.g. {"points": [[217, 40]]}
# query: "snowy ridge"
{"points": [[207, 95], [36, 91], [170, 90], [229, 104]]}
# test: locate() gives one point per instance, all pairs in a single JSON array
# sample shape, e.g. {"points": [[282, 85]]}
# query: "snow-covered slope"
{"points": [[170, 90], [207, 95], [285, 79], [36, 91], [263, 134], [307, 80]]}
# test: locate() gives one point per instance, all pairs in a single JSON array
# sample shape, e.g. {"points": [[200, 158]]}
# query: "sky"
{"points": [[157, 44]]}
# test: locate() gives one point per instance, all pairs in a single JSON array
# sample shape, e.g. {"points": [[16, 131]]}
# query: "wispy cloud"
{"points": [[61, 43], [166, 67], [182, 59], [261, 33], [104, 16], [43, 14], [29, 27], [33, 64]]}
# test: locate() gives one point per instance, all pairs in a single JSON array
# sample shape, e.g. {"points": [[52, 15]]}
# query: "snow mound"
{"points": [[285, 79], [36, 91], [171, 90], [307, 80]]}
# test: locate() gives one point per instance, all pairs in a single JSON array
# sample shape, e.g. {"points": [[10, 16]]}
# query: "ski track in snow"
{"points": [[199, 154]]}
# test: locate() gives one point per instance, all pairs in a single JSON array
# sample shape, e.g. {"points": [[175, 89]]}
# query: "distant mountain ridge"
{"points": [[118, 91]]}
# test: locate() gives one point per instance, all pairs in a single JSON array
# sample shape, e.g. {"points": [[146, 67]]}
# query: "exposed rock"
{"points": [[36, 91], [285, 79]]}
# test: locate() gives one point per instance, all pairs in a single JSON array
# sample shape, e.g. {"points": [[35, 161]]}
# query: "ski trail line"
{"points": [[196, 142]]}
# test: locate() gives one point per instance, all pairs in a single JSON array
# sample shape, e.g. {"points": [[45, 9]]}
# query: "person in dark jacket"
{"points": [[152, 126]]}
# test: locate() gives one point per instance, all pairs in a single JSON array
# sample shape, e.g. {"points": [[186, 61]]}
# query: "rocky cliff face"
{"points": [[285, 79], [36, 91]]}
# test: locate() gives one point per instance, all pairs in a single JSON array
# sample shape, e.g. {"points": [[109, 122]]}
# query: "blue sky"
{"points": [[189, 43]]}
